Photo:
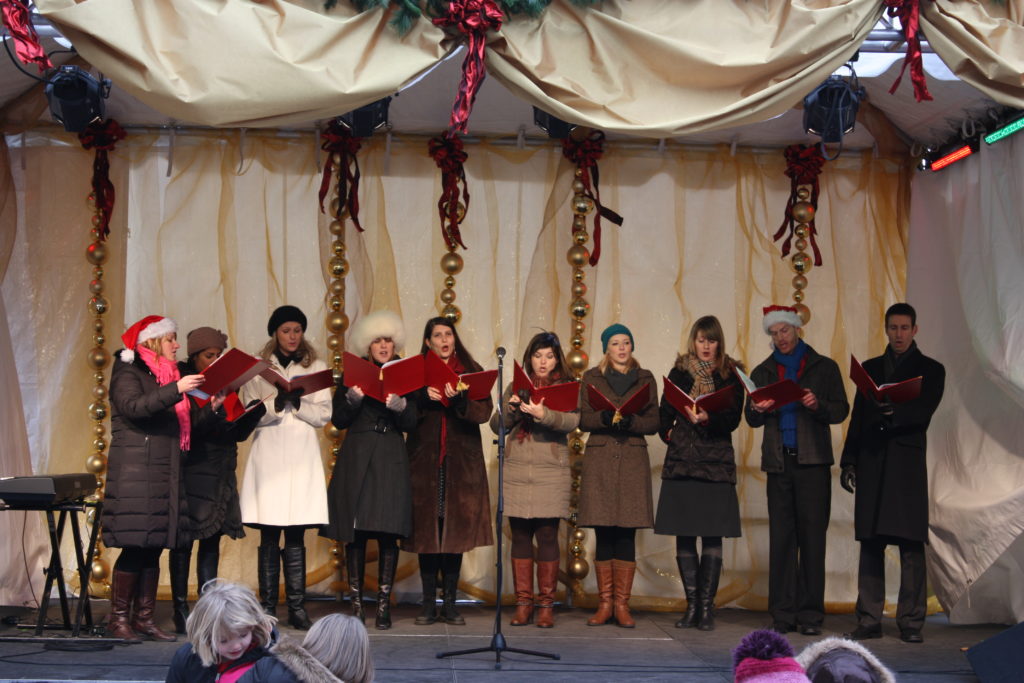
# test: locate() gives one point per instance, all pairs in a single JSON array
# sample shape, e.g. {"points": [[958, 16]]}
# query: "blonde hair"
{"points": [[305, 350], [153, 343], [340, 643], [607, 363], [225, 609]]}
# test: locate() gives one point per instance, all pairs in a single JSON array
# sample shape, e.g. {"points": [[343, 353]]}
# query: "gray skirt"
{"points": [[694, 507]]}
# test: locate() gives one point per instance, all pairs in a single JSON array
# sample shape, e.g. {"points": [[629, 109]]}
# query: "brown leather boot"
{"points": [[622, 577], [547, 584], [122, 594], [603, 572], [145, 605], [522, 578]]}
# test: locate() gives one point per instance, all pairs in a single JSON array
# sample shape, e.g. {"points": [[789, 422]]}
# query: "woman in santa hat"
{"points": [[370, 495], [283, 488], [145, 499]]}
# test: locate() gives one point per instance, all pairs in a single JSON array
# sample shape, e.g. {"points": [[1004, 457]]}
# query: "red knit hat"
{"points": [[150, 327]]}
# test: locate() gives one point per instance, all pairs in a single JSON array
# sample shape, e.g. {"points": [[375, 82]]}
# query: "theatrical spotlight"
{"points": [[363, 121], [555, 127], [830, 111], [76, 97]]}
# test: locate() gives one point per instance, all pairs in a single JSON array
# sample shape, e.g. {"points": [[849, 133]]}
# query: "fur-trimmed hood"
{"points": [[289, 662], [844, 659]]}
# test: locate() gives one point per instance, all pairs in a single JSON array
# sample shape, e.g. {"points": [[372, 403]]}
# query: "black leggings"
{"points": [[137, 559], [523, 532], [293, 536], [615, 543], [448, 564], [686, 546], [385, 541]]}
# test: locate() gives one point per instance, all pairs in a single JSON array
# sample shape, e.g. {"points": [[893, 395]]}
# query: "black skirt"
{"points": [[694, 507]]}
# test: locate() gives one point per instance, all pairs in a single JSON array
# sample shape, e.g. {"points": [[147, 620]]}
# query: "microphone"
{"points": [[501, 352]]}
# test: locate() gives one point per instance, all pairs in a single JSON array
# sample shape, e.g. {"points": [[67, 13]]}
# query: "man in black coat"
{"points": [[884, 459]]}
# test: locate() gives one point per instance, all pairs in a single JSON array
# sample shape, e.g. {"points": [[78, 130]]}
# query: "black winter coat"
{"points": [[813, 435], [888, 452], [145, 505], [211, 485], [701, 451], [370, 489]]}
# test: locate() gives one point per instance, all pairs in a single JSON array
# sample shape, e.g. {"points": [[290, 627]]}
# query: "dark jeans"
{"points": [[912, 603]]}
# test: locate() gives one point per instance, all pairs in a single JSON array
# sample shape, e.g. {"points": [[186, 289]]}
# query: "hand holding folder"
{"points": [[306, 384], [399, 377], [783, 393], [709, 403], [895, 392], [227, 374], [561, 397], [631, 406], [437, 374]]}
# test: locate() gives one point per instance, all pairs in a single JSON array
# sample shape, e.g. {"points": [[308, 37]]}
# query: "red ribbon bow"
{"points": [[585, 154], [447, 153], [338, 140], [803, 165], [909, 14], [26, 40], [102, 137], [472, 18]]}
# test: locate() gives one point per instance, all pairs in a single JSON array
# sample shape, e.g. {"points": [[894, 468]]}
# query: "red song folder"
{"points": [[710, 403], [399, 377], [896, 392], [309, 384], [228, 373], [233, 408], [438, 374], [632, 405], [561, 397], [783, 393]]}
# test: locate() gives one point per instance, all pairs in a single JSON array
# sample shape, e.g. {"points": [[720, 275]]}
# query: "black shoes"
{"points": [[911, 635], [782, 627], [810, 630], [865, 633]]}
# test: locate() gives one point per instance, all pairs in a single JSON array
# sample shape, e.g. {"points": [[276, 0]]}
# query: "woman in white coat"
{"points": [[283, 489]]}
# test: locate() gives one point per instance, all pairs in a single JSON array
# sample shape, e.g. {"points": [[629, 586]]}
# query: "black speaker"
{"points": [[1000, 659]]}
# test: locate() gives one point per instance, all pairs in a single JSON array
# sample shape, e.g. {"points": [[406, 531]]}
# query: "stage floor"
{"points": [[653, 651]]}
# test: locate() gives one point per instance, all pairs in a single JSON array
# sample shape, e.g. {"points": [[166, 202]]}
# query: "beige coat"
{"points": [[615, 489], [537, 477]]}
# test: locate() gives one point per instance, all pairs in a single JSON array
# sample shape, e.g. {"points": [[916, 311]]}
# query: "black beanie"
{"points": [[285, 314]]}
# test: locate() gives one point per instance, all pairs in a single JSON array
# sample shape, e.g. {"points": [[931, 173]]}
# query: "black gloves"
{"points": [[848, 478], [285, 397], [608, 420]]}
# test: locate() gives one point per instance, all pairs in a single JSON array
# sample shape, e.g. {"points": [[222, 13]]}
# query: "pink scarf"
{"points": [[166, 371]]}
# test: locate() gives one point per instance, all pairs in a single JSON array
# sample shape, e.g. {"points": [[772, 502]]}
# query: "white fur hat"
{"points": [[774, 315], [375, 325]]}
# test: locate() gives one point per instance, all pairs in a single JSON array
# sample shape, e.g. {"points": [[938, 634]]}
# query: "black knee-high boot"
{"points": [[688, 567], [178, 563], [355, 562], [707, 587], [451, 565], [206, 566], [428, 575], [387, 563], [294, 557], [269, 575]]}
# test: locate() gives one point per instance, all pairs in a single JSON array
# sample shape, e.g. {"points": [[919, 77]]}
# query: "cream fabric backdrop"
{"points": [[221, 243]]}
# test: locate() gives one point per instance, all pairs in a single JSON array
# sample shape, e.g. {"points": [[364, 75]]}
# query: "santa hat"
{"points": [[150, 327], [374, 326], [764, 656], [780, 314]]}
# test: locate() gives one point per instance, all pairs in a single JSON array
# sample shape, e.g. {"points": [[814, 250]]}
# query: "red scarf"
{"points": [[166, 371], [458, 369]]}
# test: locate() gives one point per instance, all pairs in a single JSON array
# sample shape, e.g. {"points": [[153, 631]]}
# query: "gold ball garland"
{"points": [[801, 262]]}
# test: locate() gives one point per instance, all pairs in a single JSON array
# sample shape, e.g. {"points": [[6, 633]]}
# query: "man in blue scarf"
{"points": [[796, 453]]}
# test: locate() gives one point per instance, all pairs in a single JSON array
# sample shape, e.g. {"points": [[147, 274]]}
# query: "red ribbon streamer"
{"points": [[102, 137], [803, 165], [338, 140], [447, 153], [585, 154], [909, 14], [472, 18], [26, 41]]}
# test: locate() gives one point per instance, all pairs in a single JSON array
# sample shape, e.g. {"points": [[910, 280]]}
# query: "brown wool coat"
{"points": [[537, 477], [615, 489], [467, 511]]}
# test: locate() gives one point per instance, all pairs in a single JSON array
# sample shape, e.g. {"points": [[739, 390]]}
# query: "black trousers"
{"points": [[799, 506], [913, 597]]}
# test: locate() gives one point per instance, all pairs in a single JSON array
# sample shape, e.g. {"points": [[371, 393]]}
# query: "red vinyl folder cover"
{"points": [[632, 405], [233, 408], [896, 392], [228, 373], [399, 377], [437, 374], [561, 397], [309, 384], [710, 403], [783, 393]]}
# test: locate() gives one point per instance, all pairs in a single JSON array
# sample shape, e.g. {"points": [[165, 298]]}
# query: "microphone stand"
{"points": [[498, 645]]}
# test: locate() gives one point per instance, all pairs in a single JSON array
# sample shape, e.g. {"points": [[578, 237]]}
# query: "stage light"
{"points": [[1005, 131], [76, 97], [555, 127], [951, 157], [363, 121], [830, 110]]}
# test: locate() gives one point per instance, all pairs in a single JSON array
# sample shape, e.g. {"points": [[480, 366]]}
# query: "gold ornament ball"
{"points": [[578, 568], [336, 288], [99, 339], [336, 159], [335, 550], [332, 432], [578, 256], [801, 263], [581, 236], [97, 272], [579, 308], [337, 322], [336, 227], [96, 253], [803, 212], [579, 223], [97, 410], [447, 296], [451, 313], [579, 327], [578, 187], [334, 341], [577, 360], [336, 357], [575, 486], [576, 445], [96, 464], [576, 549], [582, 205], [460, 211], [803, 312], [337, 375], [579, 535], [90, 515], [799, 282], [802, 231], [335, 563], [98, 429], [578, 274], [335, 206], [100, 444], [98, 377], [99, 569], [337, 267], [798, 296], [99, 392], [577, 467], [96, 287], [574, 499], [803, 193], [449, 282], [90, 201], [800, 244], [97, 324], [98, 305], [451, 263], [335, 450], [97, 221], [576, 342], [579, 172], [98, 358], [338, 248], [335, 303], [578, 289]]}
